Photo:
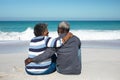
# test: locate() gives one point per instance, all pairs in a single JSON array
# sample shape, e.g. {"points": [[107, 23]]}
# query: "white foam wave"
{"points": [[82, 34], [26, 35], [97, 35]]}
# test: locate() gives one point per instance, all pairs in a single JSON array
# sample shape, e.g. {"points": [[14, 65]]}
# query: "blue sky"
{"points": [[59, 9]]}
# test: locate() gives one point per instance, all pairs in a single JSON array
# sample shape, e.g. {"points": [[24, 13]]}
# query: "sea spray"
{"points": [[82, 34]]}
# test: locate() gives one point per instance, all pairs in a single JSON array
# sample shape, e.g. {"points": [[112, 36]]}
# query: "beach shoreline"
{"points": [[21, 46], [98, 63]]}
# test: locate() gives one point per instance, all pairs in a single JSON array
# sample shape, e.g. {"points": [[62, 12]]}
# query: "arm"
{"points": [[50, 42], [47, 54]]}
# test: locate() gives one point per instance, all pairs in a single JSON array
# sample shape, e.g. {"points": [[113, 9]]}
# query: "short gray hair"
{"points": [[64, 24]]}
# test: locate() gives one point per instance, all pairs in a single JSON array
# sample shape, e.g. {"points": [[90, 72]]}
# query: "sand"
{"points": [[98, 62]]}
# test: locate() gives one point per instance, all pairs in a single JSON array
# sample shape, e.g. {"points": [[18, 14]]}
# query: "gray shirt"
{"points": [[68, 56]]}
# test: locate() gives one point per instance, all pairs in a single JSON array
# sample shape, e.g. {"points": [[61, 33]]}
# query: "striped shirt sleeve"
{"points": [[53, 42]]}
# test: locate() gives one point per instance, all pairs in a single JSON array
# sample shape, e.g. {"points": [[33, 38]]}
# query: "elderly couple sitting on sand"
{"points": [[47, 54]]}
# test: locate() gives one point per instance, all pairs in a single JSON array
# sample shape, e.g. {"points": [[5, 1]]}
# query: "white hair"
{"points": [[64, 24]]}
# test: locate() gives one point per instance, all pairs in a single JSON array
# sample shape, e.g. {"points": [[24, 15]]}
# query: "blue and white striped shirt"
{"points": [[37, 46]]}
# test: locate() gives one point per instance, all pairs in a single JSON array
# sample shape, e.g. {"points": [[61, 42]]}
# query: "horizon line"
{"points": [[55, 19], [67, 20]]}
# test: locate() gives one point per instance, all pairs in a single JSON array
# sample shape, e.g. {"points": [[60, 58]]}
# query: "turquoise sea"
{"points": [[85, 30]]}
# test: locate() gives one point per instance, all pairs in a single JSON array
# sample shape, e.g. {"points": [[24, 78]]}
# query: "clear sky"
{"points": [[59, 9]]}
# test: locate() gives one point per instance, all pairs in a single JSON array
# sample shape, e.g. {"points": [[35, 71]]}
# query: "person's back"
{"points": [[37, 46], [69, 57]]}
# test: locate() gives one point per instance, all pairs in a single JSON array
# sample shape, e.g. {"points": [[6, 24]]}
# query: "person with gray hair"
{"points": [[63, 27], [68, 56]]}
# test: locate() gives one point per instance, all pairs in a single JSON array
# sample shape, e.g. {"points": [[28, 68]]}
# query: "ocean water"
{"points": [[85, 30]]}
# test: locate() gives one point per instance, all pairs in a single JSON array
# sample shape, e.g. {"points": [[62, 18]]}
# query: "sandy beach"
{"points": [[100, 61]]}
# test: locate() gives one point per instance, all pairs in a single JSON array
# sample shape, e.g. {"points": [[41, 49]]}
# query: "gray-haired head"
{"points": [[63, 27]]}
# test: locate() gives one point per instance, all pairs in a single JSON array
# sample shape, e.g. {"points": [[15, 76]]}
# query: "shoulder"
{"points": [[75, 38]]}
